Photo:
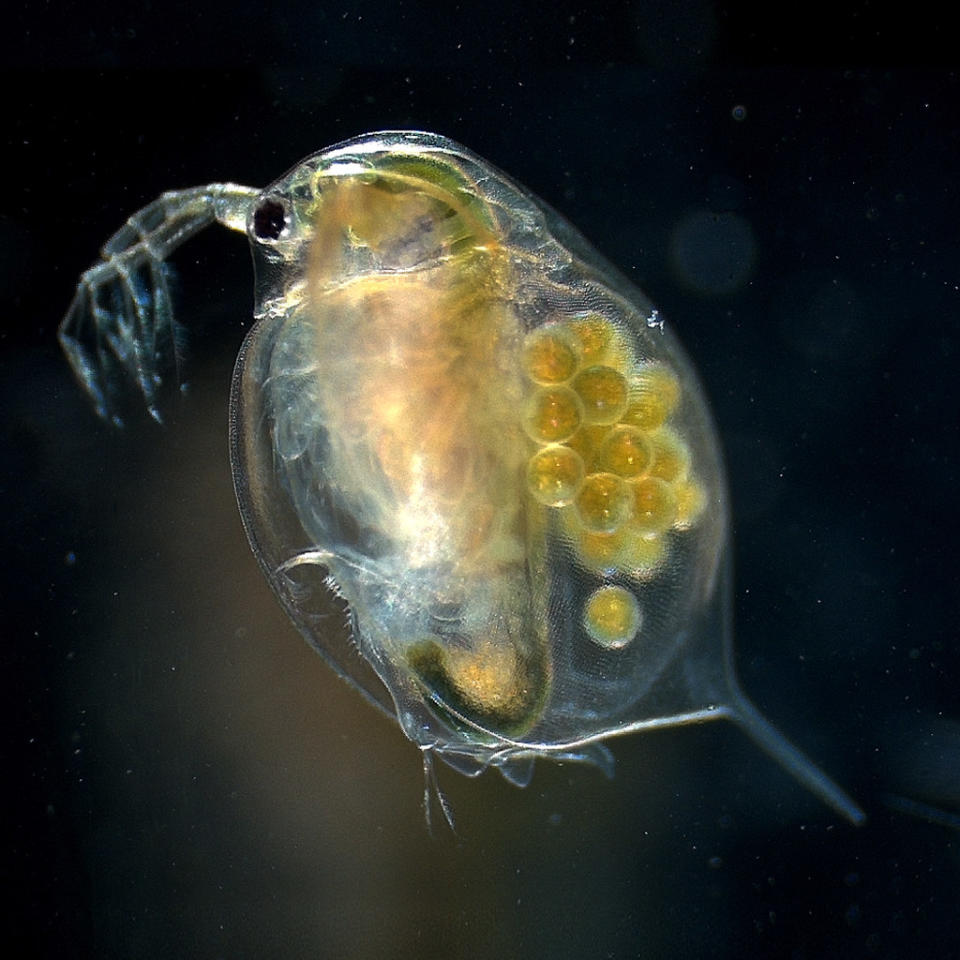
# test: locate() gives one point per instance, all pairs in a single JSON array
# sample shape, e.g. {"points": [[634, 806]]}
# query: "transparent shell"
{"points": [[455, 415]]}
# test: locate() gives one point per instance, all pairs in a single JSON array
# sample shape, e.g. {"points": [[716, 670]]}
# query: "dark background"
{"points": [[184, 777]]}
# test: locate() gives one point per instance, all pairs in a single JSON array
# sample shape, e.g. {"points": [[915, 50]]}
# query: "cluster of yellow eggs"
{"points": [[607, 458]]}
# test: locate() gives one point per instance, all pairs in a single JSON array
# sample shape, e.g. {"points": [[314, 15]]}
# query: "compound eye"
{"points": [[269, 219]]}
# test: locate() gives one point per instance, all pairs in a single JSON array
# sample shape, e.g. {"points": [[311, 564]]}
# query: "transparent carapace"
{"points": [[453, 414]]}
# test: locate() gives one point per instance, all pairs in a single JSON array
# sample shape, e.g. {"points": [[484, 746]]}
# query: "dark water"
{"points": [[186, 778]]}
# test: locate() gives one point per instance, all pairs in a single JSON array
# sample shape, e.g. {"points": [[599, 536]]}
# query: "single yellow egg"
{"points": [[603, 392], [612, 617], [555, 475]]}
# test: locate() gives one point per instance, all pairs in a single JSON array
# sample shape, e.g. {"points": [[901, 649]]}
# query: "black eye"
{"points": [[269, 219]]}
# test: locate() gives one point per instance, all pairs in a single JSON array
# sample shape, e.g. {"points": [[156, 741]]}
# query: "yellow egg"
{"points": [[554, 475], [603, 502], [603, 392], [642, 554], [549, 355], [627, 452], [612, 617], [596, 338], [654, 394], [671, 456], [654, 505], [553, 414]]}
